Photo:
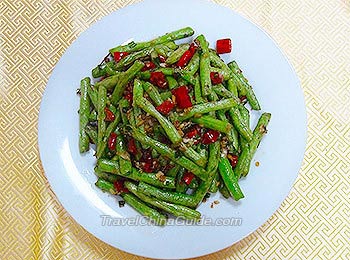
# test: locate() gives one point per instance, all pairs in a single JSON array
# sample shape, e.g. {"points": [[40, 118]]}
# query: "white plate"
{"points": [[280, 153]]}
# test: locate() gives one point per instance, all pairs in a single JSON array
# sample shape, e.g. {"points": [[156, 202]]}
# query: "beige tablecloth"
{"points": [[312, 223]]}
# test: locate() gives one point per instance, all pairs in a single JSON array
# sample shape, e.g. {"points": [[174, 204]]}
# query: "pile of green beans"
{"points": [[166, 162]]}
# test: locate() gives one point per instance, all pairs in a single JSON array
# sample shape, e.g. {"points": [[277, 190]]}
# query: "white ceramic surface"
{"points": [[280, 153]]}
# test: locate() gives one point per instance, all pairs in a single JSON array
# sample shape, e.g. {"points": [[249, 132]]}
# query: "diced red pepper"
{"points": [[183, 99], [161, 58], [165, 107], [119, 55], [210, 136], [158, 78], [149, 65], [188, 177], [147, 167], [233, 160], [112, 141], [128, 97], [132, 146], [148, 164], [109, 115], [216, 78], [191, 133], [223, 46], [119, 186]]}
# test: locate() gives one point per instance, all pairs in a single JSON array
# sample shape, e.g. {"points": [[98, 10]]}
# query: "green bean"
{"points": [[223, 92], [123, 81], [232, 135], [92, 133], [243, 164], [219, 63], [232, 86], [193, 66], [171, 45], [229, 178], [188, 77], [93, 96], [176, 210], [169, 37], [212, 123], [204, 65], [253, 101], [214, 153], [152, 93], [105, 186], [172, 82], [169, 196], [198, 91], [176, 54], [84, 113], [106, 176], [166, 95], [142, 208], [162, 50], [173, 171], [123, 156], [123, 103], [144, 104], [224, 191], [109, 83], [93, 116], [112, 166], [192, 154], [240, 125], [208, 107], [102, 100], [214, 184]]}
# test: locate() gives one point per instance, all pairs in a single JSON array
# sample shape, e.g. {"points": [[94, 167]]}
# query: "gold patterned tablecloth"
{"points": [[312, 223]]}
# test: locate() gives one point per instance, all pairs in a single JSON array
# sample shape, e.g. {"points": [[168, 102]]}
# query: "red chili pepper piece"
{"points": [[128, 97], [210, 136], [183, 100], [223, 46], [187, 56], [216, 78], [188, 177], [119, 55], [149, 65], [112, 141], [119, 186], [233, 159], [243, 99], [158, 78], [161, 58], [165, 107], [191, 133], [147, 167], [109, 115], [193, 48], [132, 147]]}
